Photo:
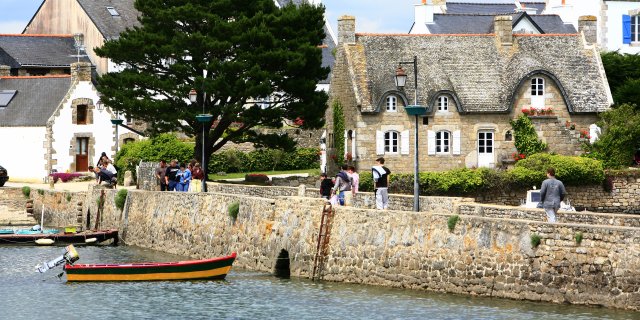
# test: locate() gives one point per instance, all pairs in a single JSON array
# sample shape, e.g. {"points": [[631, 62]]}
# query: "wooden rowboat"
{"points": [[209, 269]]}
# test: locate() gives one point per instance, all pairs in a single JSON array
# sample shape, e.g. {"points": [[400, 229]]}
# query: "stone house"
{"points": [[54, 122], [38, 55], [471, 86]]}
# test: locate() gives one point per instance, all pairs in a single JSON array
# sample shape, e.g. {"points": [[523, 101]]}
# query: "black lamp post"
{"points": [[117, 121], [204, 119], [415, 110]]}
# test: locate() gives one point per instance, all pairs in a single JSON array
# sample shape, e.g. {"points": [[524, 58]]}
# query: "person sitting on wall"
{"points": [[105, 175]]}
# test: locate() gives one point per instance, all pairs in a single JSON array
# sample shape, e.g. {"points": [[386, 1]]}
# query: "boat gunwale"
{"points": [[149, 265]]}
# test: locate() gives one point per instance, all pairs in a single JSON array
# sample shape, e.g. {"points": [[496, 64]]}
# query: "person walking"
{"points": [[325, 186], [185, 178], [552, 193], [381, 178], [161, 170], [342, 186], [355, 180], [197, 174], [171, 175]]}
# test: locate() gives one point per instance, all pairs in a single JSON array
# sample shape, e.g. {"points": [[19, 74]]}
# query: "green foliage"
{"points": [[525, 136], [232, 53], [578, 237], [338, 132], [234, 209], [263, 160], [620, 137], [623, 75], [256, 177], [535, 240], [26, 191], [161, 147], [68, 197], [40, 192], [452, 221], [120, 199], [570, 170]]}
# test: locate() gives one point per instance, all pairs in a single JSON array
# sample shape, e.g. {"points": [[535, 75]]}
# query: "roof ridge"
{"points": [[36, 35], [38, 77], [426, 35]]}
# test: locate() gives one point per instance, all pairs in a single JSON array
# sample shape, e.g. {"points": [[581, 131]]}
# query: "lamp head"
{"points": [[193, 95], [401, 77]]}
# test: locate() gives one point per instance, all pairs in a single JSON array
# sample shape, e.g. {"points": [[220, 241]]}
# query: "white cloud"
{"points": [[9, 27]]}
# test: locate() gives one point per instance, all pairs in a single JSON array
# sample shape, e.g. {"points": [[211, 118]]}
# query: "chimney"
{"points": [[587, 25], [503, 29], [423, 16], [346, 29], [562, 8], [80, 71], [5, 71]]}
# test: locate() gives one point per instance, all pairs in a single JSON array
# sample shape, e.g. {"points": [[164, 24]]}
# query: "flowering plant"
{"points": [[64, 176], [584, 134], [349, 156], [518, 156], [528, 111]]}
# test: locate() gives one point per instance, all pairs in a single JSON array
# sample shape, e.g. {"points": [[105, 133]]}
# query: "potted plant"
{"points": [[527, 111]]}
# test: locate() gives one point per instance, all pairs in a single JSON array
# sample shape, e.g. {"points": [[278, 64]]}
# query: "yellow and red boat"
{"points": [[208, 269]]}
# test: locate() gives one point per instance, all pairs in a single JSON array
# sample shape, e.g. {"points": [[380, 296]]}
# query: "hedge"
{"points": [[527, 173], [231, 161]]}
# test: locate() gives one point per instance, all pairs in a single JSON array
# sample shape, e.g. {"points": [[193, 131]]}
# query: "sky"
{"points": [[376, 16]]}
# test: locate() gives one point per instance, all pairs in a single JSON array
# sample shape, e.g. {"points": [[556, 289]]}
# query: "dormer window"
{"points": [[537, 93], [5, 97], [113, 11], [392, 104], [443, 103]]}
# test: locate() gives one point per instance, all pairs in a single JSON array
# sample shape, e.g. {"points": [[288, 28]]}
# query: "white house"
{"points": [[54, 123]]}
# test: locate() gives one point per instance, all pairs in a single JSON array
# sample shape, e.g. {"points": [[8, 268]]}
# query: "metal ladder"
{"points": [[323, 241]]}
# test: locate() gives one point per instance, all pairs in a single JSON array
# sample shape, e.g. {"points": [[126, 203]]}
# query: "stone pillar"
{"points": [[346, 29], [80, 71], [503, 29], [5, 71], [588, 25]]}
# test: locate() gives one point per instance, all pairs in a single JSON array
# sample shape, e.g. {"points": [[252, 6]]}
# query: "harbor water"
{"points": [[243, 295]]}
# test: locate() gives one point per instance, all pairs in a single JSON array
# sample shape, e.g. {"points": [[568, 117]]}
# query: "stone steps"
{"points": [[12, 213]]}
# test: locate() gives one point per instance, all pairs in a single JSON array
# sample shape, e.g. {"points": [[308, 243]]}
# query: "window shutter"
{"points": [[626, 29], [379, 142], [346, 145], [353, 144], [404, 142], [431, 142], [456, 142]]}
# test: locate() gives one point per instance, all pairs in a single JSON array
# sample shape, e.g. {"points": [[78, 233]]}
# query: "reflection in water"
{"points": [[244, 295]]}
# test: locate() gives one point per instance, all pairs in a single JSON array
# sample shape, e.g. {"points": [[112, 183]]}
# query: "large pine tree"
{"points": [[235, 51]]}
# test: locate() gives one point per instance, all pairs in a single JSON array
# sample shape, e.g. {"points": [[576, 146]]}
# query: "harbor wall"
{"points": [[488, 253]]}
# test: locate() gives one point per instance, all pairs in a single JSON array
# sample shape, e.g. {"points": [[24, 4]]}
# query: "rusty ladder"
{"points": [[323, 241]]}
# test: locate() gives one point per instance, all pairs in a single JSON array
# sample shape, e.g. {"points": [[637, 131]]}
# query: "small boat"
{"points": [[208, 269], [29, 237]]}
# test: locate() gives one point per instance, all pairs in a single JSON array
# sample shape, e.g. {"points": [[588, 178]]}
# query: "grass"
{"points": [[535, 240], [234, 209], [578, 236], [451, 223], [214, 177]]}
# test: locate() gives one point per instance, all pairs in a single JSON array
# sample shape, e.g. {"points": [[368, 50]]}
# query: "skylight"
{"points": [[6, 96], [113, 11]]}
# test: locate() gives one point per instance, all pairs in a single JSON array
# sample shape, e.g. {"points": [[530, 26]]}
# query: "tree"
{"points": [[620, 137], [235, 51], [623, 75]]}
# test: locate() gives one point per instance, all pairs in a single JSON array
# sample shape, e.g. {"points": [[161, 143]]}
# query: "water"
{"points": [[244, 295]]}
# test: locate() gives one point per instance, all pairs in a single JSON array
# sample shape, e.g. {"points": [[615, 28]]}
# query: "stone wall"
{"points": [[61, 209], [146, 176], [482, 256]]}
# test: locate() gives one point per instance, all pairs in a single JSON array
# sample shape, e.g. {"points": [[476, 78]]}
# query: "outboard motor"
{"points": [[70, 256]]}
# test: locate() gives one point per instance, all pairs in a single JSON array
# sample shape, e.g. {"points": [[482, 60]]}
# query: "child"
{"points": [[325, 186]]}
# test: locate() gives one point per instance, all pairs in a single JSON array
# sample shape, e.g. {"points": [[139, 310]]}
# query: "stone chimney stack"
{"points": [[81, 71], [346, 29], [503, 28], [5, 71], [588, 25], [424, 12]]}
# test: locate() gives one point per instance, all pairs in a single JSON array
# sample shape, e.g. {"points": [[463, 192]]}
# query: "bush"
{"points": [[256, 177], [120, 199], [451, 223], [26, 191], [263, 160], [620, 137], [64, 176], [535, 240], [570, 170], [525, 136], [234, 209], [162, 147], [41, 192], [578, 237]]}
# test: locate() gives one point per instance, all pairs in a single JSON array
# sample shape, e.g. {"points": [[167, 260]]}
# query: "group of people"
{"points": [[105, 171], [182, 178], [341, 189]]}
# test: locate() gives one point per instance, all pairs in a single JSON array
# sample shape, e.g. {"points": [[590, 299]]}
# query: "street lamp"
{"points": [[415, 110], [117, 121], [204, 119]]}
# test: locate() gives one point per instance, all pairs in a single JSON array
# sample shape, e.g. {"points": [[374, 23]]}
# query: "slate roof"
{"points": [[19, 51], [491, 7], [483, 24], [111, 26], [484, 77], [36, 100]]}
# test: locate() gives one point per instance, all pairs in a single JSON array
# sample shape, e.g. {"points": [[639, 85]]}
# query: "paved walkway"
{"points": [[60, 186]]}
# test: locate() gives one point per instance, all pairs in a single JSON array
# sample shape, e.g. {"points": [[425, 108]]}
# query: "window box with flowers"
{"points": [[535, 112], [584, 134]]}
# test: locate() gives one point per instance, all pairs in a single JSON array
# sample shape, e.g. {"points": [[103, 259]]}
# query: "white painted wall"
{"points": [[614, 25], [525, 26], [22, 153], [64, 129]]}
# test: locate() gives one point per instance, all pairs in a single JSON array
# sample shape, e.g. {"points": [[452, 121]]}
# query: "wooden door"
{"points": [[486, 157], [82, 154]]}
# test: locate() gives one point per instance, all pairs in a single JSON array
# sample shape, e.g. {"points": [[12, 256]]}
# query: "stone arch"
{"points": [[383, 99], [126, 137], [282, 267], [552, 77], [434, 99]]}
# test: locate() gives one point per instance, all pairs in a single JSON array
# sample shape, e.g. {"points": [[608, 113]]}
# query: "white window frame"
{"points": [[443, 103], [391, 142], [113, 12], [392, 103], [537, 86], [443, 142], [635, 28]]}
